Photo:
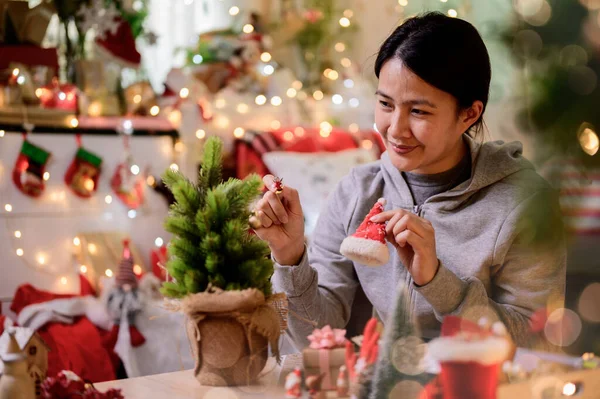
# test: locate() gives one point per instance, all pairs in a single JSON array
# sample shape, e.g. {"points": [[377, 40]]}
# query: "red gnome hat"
{"points": [[125, 273], [367, 246]]}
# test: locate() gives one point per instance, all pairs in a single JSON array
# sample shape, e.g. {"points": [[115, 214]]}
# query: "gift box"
{"points": [[325, 355], [99, 105], [20, 24], [36, 23], [140, 98], [10, 96], [91, 78]]}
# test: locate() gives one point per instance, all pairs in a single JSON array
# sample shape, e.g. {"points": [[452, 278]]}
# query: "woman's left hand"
{"points": [[414, 239]]}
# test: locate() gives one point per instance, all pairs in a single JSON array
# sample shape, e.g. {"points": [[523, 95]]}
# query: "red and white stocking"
{"points": [[30, 169]]}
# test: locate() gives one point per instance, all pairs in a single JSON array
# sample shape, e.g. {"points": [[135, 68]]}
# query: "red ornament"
{"points": [[278, 185], [59, 96], [68, 385], [128, 187], [128, 182]]}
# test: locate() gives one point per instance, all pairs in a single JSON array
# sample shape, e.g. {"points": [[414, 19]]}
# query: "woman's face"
{"points": [[420, 124]]}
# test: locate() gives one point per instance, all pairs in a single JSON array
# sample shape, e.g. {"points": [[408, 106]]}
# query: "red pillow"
{"points": [[77, 347]]}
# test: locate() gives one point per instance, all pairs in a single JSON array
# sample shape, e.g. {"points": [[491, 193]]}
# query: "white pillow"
{"points": [[314, 175]]}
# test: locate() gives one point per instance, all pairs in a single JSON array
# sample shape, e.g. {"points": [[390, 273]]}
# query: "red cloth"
{"points": [[159, 255], [29, 55], [77, 347], [2, 318], [86, 287], [28, 295]]}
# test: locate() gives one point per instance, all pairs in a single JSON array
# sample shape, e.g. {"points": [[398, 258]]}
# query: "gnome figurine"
{"points": [[367, 245], [342, 383], [293, 384], [16, 383], [124, 298]]}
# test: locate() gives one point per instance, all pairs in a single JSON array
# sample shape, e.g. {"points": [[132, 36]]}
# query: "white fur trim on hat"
{"points": [[486, 351], [365, 251]]}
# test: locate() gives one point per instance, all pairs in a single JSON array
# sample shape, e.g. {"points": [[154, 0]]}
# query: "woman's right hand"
{"points": [[282, 223]]}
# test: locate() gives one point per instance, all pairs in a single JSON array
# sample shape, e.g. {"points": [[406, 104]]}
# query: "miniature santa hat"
{"points": [[470, 356], [367, 245], [120, 46], [125, 274]]}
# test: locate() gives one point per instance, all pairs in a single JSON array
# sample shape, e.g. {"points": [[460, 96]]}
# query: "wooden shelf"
{"points": [[58, 122]]}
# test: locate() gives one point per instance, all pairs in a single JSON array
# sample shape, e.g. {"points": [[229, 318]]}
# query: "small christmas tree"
{"points": [[401, 357], [212, 246]]}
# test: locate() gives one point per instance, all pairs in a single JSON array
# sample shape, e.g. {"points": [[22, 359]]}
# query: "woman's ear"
{"points": [[471, 115]]}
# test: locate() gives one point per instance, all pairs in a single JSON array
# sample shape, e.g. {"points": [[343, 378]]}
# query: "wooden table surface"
{"points": [[183, 385]]}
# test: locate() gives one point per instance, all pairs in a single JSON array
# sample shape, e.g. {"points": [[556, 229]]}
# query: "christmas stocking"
{"points": [[127, 185], [83, 173], [28, 173], [367, 245]]}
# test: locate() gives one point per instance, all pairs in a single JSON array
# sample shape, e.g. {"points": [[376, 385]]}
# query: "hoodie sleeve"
{"points": [[528, 272], [321, 288]]}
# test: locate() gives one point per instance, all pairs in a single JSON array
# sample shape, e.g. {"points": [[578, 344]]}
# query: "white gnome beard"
{"points": [[292, 381]]}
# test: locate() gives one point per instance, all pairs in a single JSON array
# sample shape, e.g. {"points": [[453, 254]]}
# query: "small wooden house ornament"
{"points": [[15, 383], [35, 350]]}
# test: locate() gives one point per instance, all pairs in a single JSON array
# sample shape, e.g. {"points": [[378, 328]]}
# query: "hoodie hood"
{"points": [[491, 162]]}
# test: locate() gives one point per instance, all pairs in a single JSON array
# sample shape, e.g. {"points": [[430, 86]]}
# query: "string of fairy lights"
{"points": [[40, 260], [296, 92]]}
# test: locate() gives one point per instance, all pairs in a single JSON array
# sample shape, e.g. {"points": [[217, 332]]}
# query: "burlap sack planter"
{"points": [[230, 333]]}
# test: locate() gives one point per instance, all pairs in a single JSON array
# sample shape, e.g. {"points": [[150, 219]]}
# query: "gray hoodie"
{"points": [[491, 262]]}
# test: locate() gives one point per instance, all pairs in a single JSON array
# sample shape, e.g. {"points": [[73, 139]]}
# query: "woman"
{"points": [[454, 209]]}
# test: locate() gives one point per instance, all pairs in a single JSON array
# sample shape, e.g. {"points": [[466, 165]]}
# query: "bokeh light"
{"points": [[588, 303], [541, 17], [582, 80], [562, 327], [573, 55], [408, 354], [528, 8], [528, 44], [588, 139], [591, 4], [569, 389]]}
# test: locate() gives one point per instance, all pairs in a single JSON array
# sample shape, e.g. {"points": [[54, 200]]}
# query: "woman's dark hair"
{"points": [[447, 53]]}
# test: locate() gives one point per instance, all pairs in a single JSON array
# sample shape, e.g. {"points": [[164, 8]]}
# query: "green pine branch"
{"points": [[211, 244], [398, 348], [211, 171]]}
